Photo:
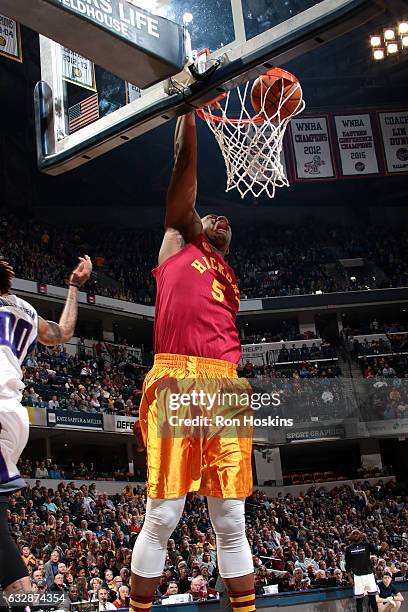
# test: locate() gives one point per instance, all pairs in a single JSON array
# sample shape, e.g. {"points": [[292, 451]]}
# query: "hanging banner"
{"points": [[356, 144], [311, 147], [10, 39], [394, 129], [133, 92], [77, 69]]}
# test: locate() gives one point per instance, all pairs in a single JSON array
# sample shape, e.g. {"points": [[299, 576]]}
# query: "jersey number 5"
{"points": [[218, 291]]}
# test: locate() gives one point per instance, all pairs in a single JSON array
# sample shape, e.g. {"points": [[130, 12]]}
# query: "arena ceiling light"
{"points": [[379, 54], [391, 43], [389, 34], [392, 48], [403, 28], [375, 40]]}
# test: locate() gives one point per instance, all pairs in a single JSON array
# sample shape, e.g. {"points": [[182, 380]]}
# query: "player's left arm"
{"points": [[51, 333]]}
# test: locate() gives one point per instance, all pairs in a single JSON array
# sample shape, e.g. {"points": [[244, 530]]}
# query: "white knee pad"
{"points": [[149, 552], [233, 550]]}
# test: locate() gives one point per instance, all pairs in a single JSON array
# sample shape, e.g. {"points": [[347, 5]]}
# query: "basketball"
{"points": [[277, 90]]}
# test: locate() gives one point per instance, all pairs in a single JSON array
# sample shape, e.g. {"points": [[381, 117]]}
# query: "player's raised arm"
{"points": [[51, 333], [182, 222]]}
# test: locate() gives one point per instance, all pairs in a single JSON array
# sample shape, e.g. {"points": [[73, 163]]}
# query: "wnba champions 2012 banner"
{"points": [[77, 69], [312, 149], [10, 39], [356, 144], [394, 130]]}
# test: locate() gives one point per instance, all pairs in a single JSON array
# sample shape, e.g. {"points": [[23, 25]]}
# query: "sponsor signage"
{"points": [[74, 420], [124, 424], [317, 433]]}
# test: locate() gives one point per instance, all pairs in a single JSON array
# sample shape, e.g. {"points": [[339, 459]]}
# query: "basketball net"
{"points": [[251, 145]]}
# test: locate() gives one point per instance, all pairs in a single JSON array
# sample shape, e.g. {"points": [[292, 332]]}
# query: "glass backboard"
{"points": [[84, 111]]}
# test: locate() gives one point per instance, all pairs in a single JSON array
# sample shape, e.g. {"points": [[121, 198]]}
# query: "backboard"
{"points": [[83, 110]]}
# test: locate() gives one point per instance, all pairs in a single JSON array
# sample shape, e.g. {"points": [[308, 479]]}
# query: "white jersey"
{"points": [[18, 336]]}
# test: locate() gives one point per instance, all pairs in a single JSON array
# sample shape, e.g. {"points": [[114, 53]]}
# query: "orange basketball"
{"points": [[277, 88]]}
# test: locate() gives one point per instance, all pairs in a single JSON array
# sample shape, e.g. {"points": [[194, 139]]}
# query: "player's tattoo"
{"points": [[51, 333]]}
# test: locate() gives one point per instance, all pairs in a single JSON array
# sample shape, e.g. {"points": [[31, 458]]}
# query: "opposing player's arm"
{"points": [[182, 223], [51, 333]]}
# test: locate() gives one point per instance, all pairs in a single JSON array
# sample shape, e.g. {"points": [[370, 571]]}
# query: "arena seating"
{"points": [[57, 380], [293, 262], [94, 533]]}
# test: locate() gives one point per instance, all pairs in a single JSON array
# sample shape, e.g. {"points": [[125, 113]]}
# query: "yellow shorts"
{"points": [[216, 467]]}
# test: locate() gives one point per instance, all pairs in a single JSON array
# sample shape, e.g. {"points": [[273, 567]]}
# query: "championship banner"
{"points": [[312, 150], [356, 144], [10, 39], [77, 69], [133, 92], [74, 420], [394, 126]]}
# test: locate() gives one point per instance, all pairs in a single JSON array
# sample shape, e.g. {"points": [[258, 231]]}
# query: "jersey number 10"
{"points": [[14, 335]]}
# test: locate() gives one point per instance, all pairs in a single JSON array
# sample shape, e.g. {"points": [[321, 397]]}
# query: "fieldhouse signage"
{"points": [[130, 42], [74, 420]]}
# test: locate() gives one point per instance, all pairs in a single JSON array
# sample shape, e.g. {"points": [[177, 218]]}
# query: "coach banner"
{"points": [[77, 69], [311, 147], [394, 127], [74, 420], [356, 144], [10, 39]]}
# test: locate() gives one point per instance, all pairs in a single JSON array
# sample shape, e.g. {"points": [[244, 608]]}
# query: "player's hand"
{"points": [[82, 272], [137, 430]]}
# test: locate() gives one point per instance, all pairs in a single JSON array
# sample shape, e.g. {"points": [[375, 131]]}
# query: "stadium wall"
{"points": [[114, 487]]}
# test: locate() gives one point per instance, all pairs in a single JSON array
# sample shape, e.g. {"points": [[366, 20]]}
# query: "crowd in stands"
{"points": [[282, 260], [373, 327], [285, 331], [395, 343], [81, 382], [107, 469], [78, 540], [306, 353]]}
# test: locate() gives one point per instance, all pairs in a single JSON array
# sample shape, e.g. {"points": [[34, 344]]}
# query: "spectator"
{"points": [[51, 568], [103, 603], [41, 471], [122, 600], [389, 597]]}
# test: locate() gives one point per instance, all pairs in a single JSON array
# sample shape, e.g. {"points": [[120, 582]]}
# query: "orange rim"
{"points": [[208, 115]]}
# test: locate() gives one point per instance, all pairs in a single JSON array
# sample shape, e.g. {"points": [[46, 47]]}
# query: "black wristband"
{"points": [[74, 285]]}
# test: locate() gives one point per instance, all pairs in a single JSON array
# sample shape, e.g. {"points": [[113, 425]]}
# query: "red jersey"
{"points": [[196, 304]]}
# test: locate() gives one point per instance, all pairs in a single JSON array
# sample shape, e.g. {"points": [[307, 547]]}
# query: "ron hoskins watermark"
{"points": [[223, 408]]}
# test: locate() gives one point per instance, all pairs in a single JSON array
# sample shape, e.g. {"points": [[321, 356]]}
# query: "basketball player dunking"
{"points": [[20, 327], [195, 337]]}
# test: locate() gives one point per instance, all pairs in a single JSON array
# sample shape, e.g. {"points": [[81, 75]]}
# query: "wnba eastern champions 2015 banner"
{"points": [[311, 147], [77, 69], [10, 39], [356, 144], [394, 129]]}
